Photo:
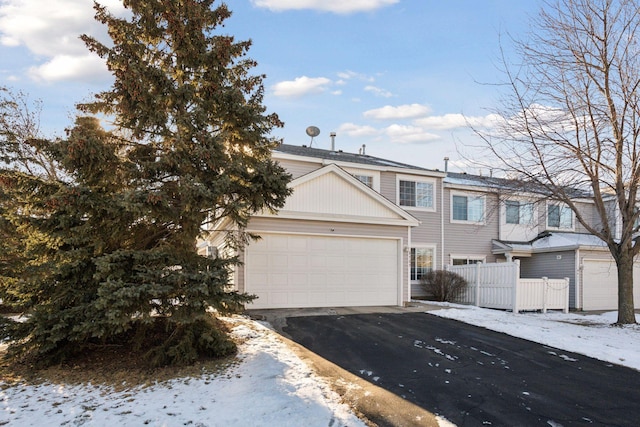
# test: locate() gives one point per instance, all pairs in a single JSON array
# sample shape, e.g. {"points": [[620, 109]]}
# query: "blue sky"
{"points": [[401, 76]]}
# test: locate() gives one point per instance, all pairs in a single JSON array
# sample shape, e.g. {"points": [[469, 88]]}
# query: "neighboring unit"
{"points": [[362, 231]]}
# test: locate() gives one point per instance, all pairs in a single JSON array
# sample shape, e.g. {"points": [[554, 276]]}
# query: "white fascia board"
{"points": [[221, 224], [570, 248], [285, 156], [340, 218]]}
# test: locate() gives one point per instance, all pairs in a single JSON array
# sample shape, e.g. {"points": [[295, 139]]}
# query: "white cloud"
{"points": [[335, 6], [66, 67], [357, 131], [378, 92], [301, 86], [455, 121], [51, 29], [409, 134], [408, 111], [349, 75], [395, 133]]}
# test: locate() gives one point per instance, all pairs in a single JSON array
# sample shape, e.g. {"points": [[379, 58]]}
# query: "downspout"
{"points": [[442, 224], [446, 169], [500, 221], [577, 282], [407, 253]]}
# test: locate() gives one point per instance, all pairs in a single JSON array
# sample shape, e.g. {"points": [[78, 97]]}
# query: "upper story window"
{"points": [[519, 212], [416, 193], [559, 216], [365, 179], [467, 208]]}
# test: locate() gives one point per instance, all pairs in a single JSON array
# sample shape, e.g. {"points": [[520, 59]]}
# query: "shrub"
{"points": [[443, 285]]}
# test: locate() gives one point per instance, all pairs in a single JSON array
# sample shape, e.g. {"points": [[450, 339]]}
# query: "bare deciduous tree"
{"points": [[571, 119], [20, 140]]}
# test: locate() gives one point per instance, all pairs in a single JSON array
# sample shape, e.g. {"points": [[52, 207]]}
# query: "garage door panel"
{"points": [[334, 262], [600, 285], [276, 243], [319, 271]]}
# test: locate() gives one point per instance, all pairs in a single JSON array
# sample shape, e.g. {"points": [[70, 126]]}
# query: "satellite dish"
{"points": [[312, 131]]}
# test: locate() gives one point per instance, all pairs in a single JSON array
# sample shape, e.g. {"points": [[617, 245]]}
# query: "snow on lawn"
{"points": [[589, 334], [270, 386]]}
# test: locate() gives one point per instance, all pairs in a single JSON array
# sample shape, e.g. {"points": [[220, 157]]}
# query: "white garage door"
{"points": [[290, 271], [600, 285]]}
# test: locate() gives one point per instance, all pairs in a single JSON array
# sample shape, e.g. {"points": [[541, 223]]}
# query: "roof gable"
{"points": [[331, 194]]}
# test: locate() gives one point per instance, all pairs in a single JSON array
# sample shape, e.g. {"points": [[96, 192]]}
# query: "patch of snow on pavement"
{"points": [[270, 386], [589, 334]]}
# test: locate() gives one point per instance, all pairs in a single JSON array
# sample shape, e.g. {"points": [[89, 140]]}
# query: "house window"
{"points": [[559, 216], [519, 212], [421, 262], [416, 194], [467, 260], [467, 208], [365, 179]]}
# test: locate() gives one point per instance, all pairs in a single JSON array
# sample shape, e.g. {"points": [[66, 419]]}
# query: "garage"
{"points": [[600, 285], [301, 270]]}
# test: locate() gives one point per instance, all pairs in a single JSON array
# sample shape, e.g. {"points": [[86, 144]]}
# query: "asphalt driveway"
{"points": [[472, 376]]}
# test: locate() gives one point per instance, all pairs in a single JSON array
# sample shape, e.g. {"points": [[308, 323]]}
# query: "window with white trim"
{"points": [[518, 212], [422, 261], [416, 193], [462, 260], [559, 216], [365, 179], [466, 208]]}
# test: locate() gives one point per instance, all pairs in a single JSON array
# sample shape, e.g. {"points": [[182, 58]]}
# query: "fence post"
{"points": [[477, 298], [515, 278], [545, 293], [566, 295]]}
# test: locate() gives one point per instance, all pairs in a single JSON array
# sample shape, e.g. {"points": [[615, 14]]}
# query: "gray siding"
{"points": [[587, 210], [388, 185], [297, 168], [548, 265]]}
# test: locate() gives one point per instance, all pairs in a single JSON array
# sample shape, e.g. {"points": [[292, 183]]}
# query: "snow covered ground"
{"points": [[271, 386], [589, 334]]}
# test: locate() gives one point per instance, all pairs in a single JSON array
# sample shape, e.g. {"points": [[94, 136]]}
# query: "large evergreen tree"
{"points": [[110, 248]]}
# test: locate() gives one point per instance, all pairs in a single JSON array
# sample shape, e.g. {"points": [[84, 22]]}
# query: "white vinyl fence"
{"points": [[498, 285]]}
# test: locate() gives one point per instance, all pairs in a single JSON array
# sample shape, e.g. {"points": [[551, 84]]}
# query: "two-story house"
{"points": [[544, 235], [360, 231]]}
